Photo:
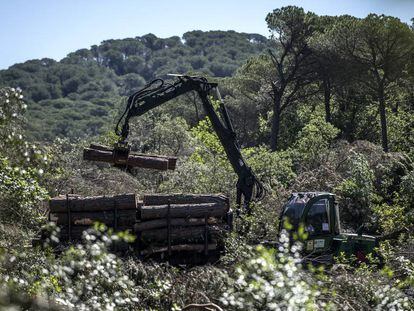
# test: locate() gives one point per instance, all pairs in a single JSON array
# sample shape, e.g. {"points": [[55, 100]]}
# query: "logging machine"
{"points": [[159, 92], [318, 215], [317, 212]]}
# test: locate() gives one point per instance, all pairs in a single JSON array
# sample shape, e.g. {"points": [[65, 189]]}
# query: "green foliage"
{"points": [[205, 166], [77, 96], [12, 108], [209, 163], [356, 191], [273, 168], [237, 249], [251, 97], [21, 168], [391, 217], [406, 192], [359, 184], [398, 263], [20, 194], [160, 135], [401, 131], [395, 213], [313, 141], [67, 118], [379, 47], [209, 142]]}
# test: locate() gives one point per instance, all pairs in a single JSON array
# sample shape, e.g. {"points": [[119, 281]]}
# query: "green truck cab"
{"points": [[318, 214]]}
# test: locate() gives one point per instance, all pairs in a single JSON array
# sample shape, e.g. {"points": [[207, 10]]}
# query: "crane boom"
{"points": [[158, 92]]}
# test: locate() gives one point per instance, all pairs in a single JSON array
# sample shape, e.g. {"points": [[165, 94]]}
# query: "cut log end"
{"points": [[182, 198], [183, 211]]}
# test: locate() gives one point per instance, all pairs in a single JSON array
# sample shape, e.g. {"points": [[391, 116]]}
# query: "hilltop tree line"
{"points": [[77, 96]]}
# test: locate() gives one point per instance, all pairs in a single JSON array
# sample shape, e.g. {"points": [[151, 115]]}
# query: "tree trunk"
{"points": [[124, 218], [179, 248], [274, 135], [195, 233], [178, 198], [383, 118], [183, 222], [60, 204], [184, 210], [76, 232], [327, 100]]}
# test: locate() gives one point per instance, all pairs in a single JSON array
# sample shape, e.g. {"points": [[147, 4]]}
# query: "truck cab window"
{"points": [[317, 219]]}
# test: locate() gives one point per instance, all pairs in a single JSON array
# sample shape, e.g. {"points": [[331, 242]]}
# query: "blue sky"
{"points": [[45, 28]]}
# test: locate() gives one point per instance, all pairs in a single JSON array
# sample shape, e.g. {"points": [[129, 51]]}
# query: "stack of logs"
{"points": [[182, 222], [74, 213], [162, 222]]}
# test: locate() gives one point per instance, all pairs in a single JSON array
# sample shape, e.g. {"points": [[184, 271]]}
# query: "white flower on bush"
{"points": [[270, 281], [84, 277], [390, 298]]}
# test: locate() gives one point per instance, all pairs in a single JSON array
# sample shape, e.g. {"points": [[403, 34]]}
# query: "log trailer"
{"points": [[316, 211]]}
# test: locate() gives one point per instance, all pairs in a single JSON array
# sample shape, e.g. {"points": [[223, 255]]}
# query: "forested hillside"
{"points": [[324, 104], [78, 95]]}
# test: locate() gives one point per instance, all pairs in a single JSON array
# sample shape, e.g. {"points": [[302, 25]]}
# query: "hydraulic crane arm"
{"points": [[158, 92]]}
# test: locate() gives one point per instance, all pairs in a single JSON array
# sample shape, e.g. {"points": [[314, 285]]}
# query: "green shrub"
{"points": [[356, 191], [313, 141], [84, 277], [407, 190]]}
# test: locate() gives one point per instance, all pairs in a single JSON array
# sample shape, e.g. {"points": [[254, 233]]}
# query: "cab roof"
{"points": [[306, 196]]}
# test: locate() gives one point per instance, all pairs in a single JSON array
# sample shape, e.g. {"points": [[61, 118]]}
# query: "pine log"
{"points": [[172, 161], [178, 248], [95, 203], [134, 160], [179, 198], [100, 147], [124, 218], [181, 233], [184, 210], [161, 223], [77, 231]]}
